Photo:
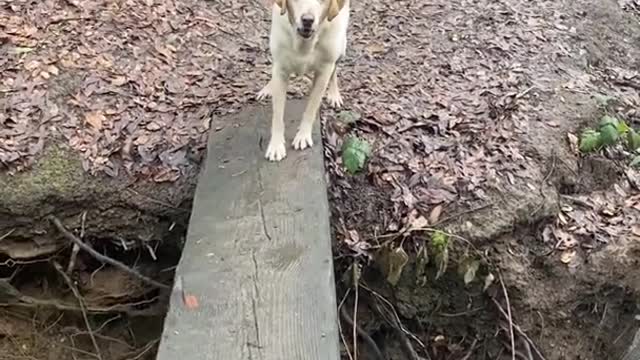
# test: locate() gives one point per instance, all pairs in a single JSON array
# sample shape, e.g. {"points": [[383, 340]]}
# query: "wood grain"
{"points": [[258, 253]]}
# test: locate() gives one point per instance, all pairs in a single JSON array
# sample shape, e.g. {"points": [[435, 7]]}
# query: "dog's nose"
{"points": [[307, 20]]}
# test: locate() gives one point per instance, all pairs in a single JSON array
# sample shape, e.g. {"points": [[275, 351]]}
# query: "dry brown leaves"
{"points": [[130, 85], [446, 91], [588, 223], [449, 93]]}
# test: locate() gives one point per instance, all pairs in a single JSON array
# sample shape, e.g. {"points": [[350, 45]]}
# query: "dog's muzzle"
{"points": [[305, 33], [306, 29]]}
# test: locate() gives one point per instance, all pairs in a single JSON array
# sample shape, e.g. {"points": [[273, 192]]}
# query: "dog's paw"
{"points": [[264, 93], [303, 139], [334, 98], [276, 150]]}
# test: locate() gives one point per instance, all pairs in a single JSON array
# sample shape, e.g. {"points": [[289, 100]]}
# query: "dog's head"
{"points": [[306, 15]]}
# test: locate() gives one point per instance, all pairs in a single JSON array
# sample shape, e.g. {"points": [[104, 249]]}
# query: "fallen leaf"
{"points": [[488, 281], [23, 50], [435, 214], [573, 143], [153, 126], [422, 260], [397, 259], [95, 119], [417, 221], [568, 256], [375, 48], [441, 261], [468, 269], [118, 81], [190, 301], [53, 70]]}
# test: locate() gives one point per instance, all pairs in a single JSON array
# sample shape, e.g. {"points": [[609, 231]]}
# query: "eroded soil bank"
{"points": [[492, 159], [47, 287]]}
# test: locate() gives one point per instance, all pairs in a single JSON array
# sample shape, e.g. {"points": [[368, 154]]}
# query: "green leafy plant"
{"points": [[611, 131], [348, 117], [355, 152], [590, 141], [440, 249]]}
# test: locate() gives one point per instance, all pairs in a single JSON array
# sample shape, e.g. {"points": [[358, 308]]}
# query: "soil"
{"points": [[141, 225], [472, 109]]}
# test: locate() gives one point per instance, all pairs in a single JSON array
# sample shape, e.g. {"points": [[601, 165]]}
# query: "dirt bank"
{"points": [[141, 225], [486, 153]]}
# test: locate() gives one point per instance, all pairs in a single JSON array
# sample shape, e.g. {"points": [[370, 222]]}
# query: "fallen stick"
{"points": [[363, 334], [76, 293], [519, 330], [103, 258], [509, 318]]}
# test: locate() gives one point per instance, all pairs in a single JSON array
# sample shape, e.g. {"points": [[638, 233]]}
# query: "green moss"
{"points": [[57, 173]]}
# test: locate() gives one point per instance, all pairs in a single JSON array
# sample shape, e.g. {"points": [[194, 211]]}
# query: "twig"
{"points": [[101, 257], [159, 202], [7, 234], [103, 337], [426, 229], [464, 313], [528, 348], [519, 330], [396, 318], [344, 341], [72, 259], [406, 344], [81, 303], [73, 348], [462, 213], [53, 324], [511, 336], [76, 248], [396, 324], [553, 167], [577, 201], [128, 308], [146, 349], [363, 334], [470, 352], [355, 321], [628, 83]]}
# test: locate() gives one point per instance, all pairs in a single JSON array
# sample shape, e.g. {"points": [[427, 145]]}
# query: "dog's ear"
{"points": [[283, 6], [334, 8]]}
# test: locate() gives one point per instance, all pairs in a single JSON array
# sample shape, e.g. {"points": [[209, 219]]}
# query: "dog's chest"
{"points": [[303, 59]]}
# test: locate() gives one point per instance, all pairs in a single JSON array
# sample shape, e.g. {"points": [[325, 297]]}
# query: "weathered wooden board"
{"points": [[258, 252]]}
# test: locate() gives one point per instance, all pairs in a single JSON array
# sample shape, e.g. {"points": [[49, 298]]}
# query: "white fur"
{"points": [[293, 54]]}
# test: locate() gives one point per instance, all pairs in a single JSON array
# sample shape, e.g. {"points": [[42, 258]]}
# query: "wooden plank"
{"points": [[258, 253], [633, 352]]}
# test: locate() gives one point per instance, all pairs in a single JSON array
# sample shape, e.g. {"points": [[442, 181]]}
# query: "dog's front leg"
{"points": [[333, 92], [303, 138], [276, 150]]}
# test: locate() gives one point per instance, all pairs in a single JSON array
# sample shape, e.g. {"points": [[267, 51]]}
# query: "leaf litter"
{"points": [[459, 101]]}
